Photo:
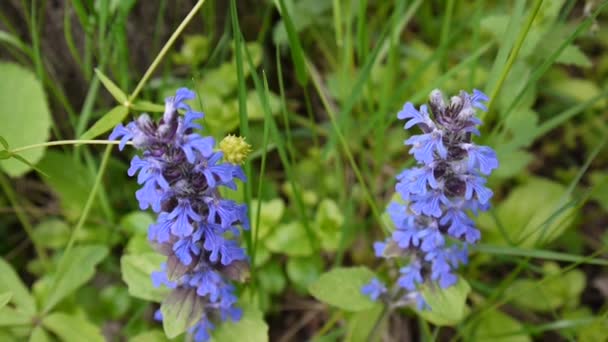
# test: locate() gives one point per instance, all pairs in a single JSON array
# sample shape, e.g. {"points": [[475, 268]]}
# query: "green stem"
{"points": [[27, 225], [518, 44], [65, 142], [165, 49]]}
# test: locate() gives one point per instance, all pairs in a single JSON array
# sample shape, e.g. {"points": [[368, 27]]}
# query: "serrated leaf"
{"points": [[136, 271], [10, 282], [72, 328], [447, 306], [77, 269], [111, 87], [181, 310], [24, 114], [250, 328], [341, 287], [107, 122]]}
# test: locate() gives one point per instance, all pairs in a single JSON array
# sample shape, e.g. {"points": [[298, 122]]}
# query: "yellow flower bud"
{"points": [[235, 149]]}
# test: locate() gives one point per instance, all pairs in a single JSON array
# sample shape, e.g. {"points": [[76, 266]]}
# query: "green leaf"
{"points": [[580, 90], [304, 271], [341, 287], [13, 317], [599, 183], [147, 106], [250, 328], [77, 269], [447, 306], [181, 310], [512, 162], [532, 214], [69, 179], [328, 224], [24, 114], [289, 239], [10, 282], [39, 335], [496, 326], [362, 323], [554, 292], [52, 233], [271, 278], [106, 123], [573, 55], [5, 297], [150, 336], [271, 213], [136, 271], [112, 88], [72, 328], [4, 143]]}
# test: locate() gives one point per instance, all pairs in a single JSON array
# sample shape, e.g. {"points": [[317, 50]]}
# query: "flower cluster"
{"points": [[180, 173], [433, 228]]}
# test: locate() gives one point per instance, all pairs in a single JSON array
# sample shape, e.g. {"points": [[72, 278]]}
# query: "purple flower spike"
{"points": [[432, 224], [180, 173]]}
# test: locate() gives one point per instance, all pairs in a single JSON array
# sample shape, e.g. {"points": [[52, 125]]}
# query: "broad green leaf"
{"points": [[136, 271], [447, 306], [52, 233], [362, 323], [194, 50], [532, 214], [150, 336], [250, 328], [136, 222], [289, 239], [255, 110], [557, 291], [111, 87], [106, 123], [39, 335], [72, 328], [495, 326], [181, 310], [24, 114], [13, 317], [10, 282], [272, 278], [271, 213], [512, 162], [5, 297], [341, 287], [328, 224], [304, 271], [69, 179], [580, 90], [77, 269]]}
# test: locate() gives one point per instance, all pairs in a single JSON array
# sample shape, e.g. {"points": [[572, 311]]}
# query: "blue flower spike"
{"points": [[180, 173], [432, 225]]}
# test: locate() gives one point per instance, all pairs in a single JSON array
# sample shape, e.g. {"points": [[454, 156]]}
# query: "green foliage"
{"points": [[72, 328], [496, 326], [107, 122], [136, 271], [24, 115], [181, 310], [19, 294], [447, 306], [533, 214], [341, 287], [251, 328]]}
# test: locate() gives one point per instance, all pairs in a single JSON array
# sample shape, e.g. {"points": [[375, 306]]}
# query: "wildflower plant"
{"points": [[181, 173], [432, 227]]}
